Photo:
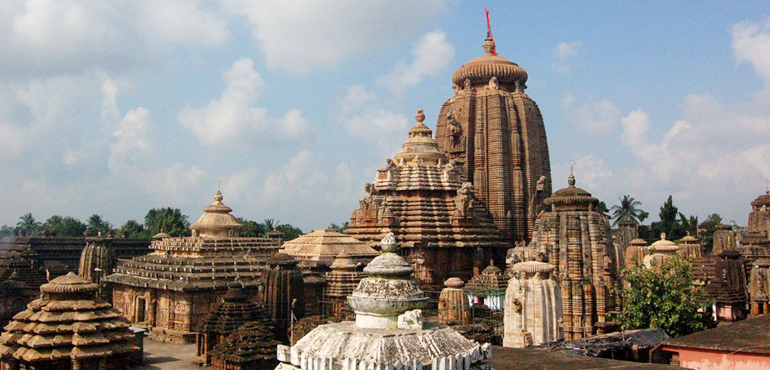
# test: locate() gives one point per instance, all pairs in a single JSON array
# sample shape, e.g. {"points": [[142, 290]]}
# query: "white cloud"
{"points": [[751, 43], [432, 55], [233, 118], [50, 37], [566, 50], [133, 138], [365, 120], [173, 184], [301, 35], [591, 173], [596, 118]]}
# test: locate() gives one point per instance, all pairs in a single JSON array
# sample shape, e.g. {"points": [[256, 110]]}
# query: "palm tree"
{"points": [[28, 224], [270, 224], [627, 211], [96, 225]]}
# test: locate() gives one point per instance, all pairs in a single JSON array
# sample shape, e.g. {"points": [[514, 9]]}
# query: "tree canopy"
{"points": [[169, 220], [64, 226], [628, 211], [664, 298], [707, 231]]}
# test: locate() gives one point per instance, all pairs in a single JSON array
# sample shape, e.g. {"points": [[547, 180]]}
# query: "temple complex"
{"points": [[97, 261], [173, 288], [574, 236], [422, 198], [316, 252], [453, 307], [495, 132], [231, 313], [68, 327], [759, 217], [533, 306], [388, 331], [284, 293], [341, 281], [690, 246]]}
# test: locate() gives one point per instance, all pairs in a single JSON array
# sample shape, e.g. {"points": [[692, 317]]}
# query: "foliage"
{"points": [[64, 226], [28, 225], [669, 222], [664, 299], [133, 229], [628, 211], [96, 224], [339, 228], [289, 232], [270, 224], [602, 207], [689, 225], [6, 231], [169, 220], [252, 229], [707, 229]]}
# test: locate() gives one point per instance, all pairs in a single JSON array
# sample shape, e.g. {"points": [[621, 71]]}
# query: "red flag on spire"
{"points": [[489, 30]]}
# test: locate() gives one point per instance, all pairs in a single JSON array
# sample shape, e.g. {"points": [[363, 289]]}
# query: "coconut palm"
{"points": [[97, 224], [28, 224], [627, 211]]}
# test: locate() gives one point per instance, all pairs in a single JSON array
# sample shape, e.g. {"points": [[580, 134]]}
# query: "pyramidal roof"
{"points": [[420, 146], [327, 244]]}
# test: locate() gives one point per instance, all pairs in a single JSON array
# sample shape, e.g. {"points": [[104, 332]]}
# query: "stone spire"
{"points": [[495, 131], [284, 292], [97, 261], [216, 221], [453, 306], [387, 292], [533, 306]]}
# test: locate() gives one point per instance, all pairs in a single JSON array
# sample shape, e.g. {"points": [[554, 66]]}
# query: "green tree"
{"points": [[628, 211], [688, 224], [669, 222], [252, 229], [170, 220], [664, 298], [133, 229], [339, 228], [6, 231], [707, 228], [97, 224], [64, 226], [289, 232], [28, 225], [270, 224]]}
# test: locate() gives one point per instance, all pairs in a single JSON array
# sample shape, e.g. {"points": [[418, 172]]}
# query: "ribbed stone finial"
{"points": [[420, 116], [489, 46], [388, 243], [218, 197], [571, 180]]}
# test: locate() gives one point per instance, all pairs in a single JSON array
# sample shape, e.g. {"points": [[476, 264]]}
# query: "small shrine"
{"points": [[68, 327], [341, 281], [533, 306], [388, 330], [250, 347], [453, 305]]}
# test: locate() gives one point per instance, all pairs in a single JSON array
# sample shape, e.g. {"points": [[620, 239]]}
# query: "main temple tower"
{"points": [[495, 130]]}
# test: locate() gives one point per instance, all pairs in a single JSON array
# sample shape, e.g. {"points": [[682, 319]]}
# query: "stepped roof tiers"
{"points": [[422, 198], [488, 288], [315, 252], [20, 283], [388, 331], [67, 328], [231, 313], [341, 281], [250, 347], [574, 236], [496, 132], [724, 280], [171, 289]]}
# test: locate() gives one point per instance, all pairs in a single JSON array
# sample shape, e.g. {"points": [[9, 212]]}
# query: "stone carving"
{"points": [[492, 84], [533, 305], [410, 320], [464, 200], [455, 134]]}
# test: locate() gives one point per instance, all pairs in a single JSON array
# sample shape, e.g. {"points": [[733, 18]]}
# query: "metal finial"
{"points": [[571, 166], [219, 185]]}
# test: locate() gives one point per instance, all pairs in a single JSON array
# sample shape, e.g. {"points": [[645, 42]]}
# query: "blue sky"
{"points": [[118, 107]]}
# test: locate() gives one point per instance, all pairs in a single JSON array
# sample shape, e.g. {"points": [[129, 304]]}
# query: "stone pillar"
{"points": [[152, 302], [453, 306], [533, 307]]}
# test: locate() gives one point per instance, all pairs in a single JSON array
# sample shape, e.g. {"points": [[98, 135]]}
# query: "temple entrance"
{"points": [[141, 307]]}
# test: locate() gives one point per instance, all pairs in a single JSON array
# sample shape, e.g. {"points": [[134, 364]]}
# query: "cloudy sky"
{"points": [[117, 107]]}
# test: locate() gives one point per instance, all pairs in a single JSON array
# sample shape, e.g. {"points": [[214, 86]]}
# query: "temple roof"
{"points": [[663, 245], [234, 310], [67, 323], [420, 145], [325, 245], [571, 196], [216, 218], [343, 262], [479, 70], [762, 200], [251, 342]]}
